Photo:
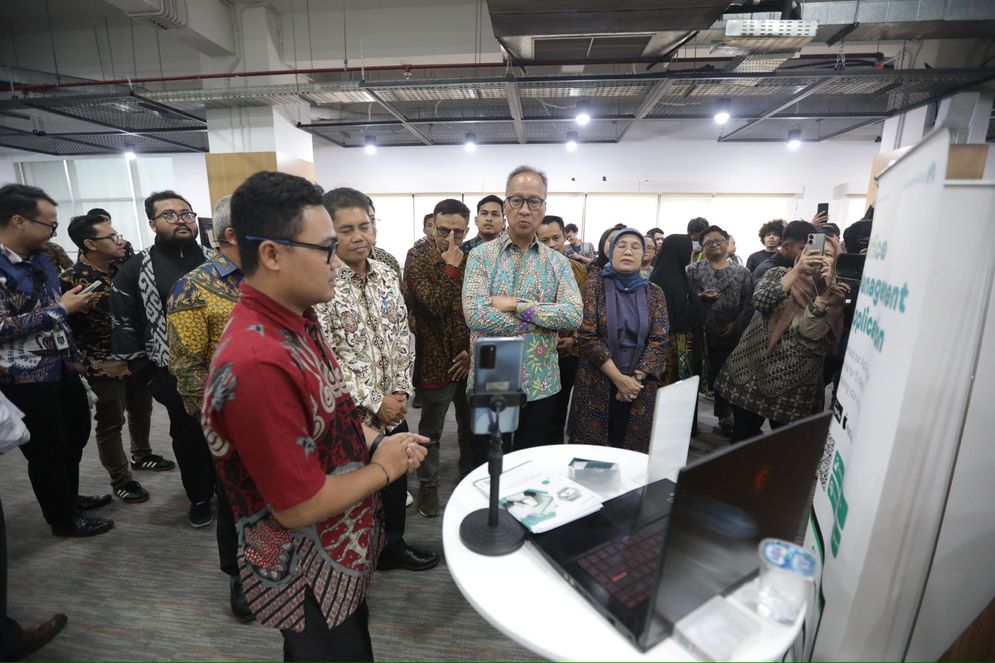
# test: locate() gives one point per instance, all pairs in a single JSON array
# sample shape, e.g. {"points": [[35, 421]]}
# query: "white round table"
{"points": [[497, 587]]}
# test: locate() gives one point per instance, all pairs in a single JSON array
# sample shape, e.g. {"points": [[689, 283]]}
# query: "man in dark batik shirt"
{"points": [[100, 250]]}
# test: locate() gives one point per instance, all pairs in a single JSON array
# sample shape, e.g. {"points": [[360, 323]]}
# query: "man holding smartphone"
{"points": [[518, 286], [117, 390]]}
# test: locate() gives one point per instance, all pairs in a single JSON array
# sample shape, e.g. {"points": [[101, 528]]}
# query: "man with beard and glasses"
{"points": [[138, 310]]}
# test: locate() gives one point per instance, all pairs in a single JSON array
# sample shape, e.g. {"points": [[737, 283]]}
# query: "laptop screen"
{"points": [[724, 506]]}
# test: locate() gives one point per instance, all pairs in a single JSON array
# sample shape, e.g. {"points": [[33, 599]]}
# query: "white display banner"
{"points": [[900, 405]]}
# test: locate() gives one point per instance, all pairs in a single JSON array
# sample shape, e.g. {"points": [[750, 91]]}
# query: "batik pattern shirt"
{"points": [[92, 326], [196, 314], [366, 324], [434, 293], [585, 249], [548, 301], [278, 419], [735, 290], [386, 258], [28, 351]]}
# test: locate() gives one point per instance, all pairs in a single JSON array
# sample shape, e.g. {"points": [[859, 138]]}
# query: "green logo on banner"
{"points": [[838, 501]]}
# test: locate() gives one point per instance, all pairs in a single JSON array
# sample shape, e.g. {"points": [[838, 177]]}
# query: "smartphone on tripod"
{"points": [[497, 369]]}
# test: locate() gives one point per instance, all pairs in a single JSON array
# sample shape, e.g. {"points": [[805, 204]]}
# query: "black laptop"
{"points": [[651, 556]]}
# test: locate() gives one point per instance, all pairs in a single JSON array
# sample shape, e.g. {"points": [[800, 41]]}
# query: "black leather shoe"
{"points": [[406, 557], [81, 526], [239, 604], [36, 637], [87, 502]]}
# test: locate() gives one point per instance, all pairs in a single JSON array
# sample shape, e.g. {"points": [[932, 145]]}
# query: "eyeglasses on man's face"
{"points": [[172, 216], [444, 232], [328, 249], [713, 242], [516, 202], [117, 238], [54, 225]]}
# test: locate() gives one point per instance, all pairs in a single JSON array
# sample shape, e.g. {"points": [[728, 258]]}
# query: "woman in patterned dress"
{"points": [[623, 351], [775, 372]]}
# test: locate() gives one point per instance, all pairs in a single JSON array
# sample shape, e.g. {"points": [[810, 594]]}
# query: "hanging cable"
{"points": [[310, 46], [51, 37]]}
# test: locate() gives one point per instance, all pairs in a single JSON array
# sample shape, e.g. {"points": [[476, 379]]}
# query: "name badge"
{"points": [[61, 340]]}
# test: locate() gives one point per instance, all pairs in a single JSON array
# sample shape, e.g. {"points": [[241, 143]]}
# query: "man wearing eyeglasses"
{"points": [[197, 312], [117, 390], [37, 361], [518, 286], [302, 473], [434, 284], [366, 324], [138, 312]]}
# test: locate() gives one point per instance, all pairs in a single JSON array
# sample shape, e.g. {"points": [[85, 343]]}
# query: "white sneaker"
{"points": [[410, 500]]}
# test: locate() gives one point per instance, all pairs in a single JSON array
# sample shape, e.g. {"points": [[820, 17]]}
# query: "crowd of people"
{"points": [[289, 355]]}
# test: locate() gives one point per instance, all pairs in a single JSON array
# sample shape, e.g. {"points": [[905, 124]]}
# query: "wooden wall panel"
{"points": [[226, 171]]}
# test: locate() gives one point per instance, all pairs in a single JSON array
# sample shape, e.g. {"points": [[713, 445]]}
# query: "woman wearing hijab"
{"points": [[775, 372], [603, 257], [623, 351], [683, 357]]}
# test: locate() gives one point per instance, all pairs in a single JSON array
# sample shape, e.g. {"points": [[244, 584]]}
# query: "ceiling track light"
{"points": [[571, 141], [370, 144], [129, 151], [794, 139], [470, 142], [583, 115], [723, 111]]}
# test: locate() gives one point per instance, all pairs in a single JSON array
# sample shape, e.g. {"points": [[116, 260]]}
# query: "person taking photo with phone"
{"points": [[118, 391], [776, 370]]}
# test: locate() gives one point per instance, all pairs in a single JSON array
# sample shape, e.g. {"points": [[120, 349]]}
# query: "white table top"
{"points": [[575, 631]]}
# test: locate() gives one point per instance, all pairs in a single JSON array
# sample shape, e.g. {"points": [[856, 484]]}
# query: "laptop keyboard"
{"points": [[627, 568]]}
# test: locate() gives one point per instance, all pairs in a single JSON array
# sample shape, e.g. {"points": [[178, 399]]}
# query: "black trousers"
{"points": [[717, 356], [58, 417], [533, 430], [349, 641], [747, 424], [189, 445], [10, 631], [618, 419], [568, 376], [227, 537], [395, 497]]}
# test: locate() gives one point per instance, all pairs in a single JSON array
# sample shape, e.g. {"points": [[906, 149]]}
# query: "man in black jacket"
{"points": [[138, 309]]}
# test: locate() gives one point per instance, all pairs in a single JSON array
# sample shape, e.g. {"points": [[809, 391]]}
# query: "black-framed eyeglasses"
{"points": [[329, 249], [54, 225], [169, 216], [713, 242], [117, 238], [516, 202], [444, 232]]}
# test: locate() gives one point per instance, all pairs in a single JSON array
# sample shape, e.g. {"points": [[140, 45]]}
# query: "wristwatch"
{"points": [[376, 443], [816, 311]]}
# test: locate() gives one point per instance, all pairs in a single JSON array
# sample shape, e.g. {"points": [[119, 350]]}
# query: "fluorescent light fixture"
{"points": [[571, 141], [470, 142], [129, 151], [583, 114], [370, 144], [794, 139], [722, 111]]}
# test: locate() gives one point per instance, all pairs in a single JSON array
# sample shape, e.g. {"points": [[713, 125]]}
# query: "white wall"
{"points": [[736, 185]]}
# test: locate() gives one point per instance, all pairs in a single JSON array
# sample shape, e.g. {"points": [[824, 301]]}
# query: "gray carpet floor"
{"points": [[151, 590]]}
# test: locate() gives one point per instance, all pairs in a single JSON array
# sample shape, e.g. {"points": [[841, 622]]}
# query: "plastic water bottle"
{"points": [[787, 573]]}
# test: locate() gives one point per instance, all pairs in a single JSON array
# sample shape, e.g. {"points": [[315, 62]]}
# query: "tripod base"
{"points": [[482, 539]]}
